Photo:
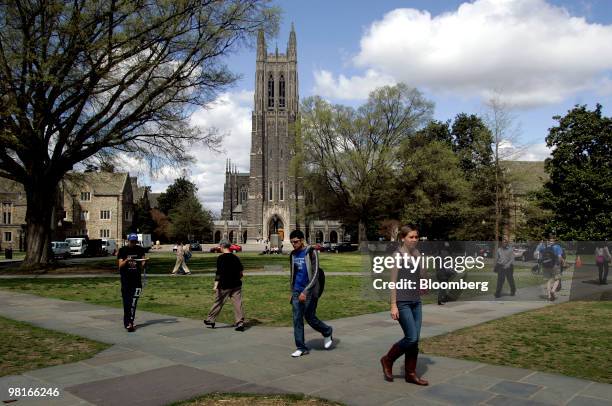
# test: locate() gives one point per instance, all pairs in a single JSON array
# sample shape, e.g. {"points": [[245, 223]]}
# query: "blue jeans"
{"points": [[306, 310], [410, 316]]}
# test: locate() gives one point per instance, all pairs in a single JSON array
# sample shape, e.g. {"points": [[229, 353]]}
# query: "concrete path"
{"points": [[172, 358]]}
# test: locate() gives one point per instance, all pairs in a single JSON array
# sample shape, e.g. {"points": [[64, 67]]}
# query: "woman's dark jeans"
{"points": [[410, 317]]}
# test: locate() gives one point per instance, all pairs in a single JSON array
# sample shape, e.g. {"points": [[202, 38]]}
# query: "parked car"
{"points": [[233, 248], [323, 246], [344, 247], [109, 246], [61, 249], [520, 252], [194, 246]]}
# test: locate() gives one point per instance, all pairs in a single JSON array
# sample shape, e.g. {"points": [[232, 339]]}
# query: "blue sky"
{"points": [[540, 56]]}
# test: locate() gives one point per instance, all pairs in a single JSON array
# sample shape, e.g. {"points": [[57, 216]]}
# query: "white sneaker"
{"points": [[327, 342], [299, 353]]}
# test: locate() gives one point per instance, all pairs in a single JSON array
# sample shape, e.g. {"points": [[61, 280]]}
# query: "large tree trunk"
{"points": [[41, 196], [362, 235]]}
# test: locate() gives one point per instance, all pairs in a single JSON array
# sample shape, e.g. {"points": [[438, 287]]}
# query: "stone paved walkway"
{"points": [[172, 358]]}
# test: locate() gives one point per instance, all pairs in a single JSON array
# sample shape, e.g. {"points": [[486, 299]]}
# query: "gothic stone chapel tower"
{"points": [[275, 197]]}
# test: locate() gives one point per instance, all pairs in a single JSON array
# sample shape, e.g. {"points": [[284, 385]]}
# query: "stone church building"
{"points": [[268, 201]]}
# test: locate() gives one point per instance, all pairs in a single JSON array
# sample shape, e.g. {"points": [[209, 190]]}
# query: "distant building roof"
{"points": [[525, 176], [153, 200], [100, 183], [137, 191]]}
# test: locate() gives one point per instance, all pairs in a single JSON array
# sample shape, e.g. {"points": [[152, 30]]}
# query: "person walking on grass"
{"points": [[406, 308], [551, 255], [131, 261], [228, 284], [306, 284], [504, 267], [180, 260]]}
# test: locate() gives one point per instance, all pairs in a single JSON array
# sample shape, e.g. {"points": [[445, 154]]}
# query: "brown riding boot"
{"points": [[410, 364], [387, 361]]}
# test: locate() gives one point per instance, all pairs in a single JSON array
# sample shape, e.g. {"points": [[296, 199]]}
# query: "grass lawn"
{"points": [[161, 263], [24, 347], [237, 399], [265, 298], [570, 339]]}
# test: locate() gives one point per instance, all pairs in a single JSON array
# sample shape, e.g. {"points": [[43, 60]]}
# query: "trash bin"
{"points": [[8, 253]]}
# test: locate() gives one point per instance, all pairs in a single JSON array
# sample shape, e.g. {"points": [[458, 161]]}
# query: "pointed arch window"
{"points": [[270, 190], [281, 191], [270, 91], [281, 91]]}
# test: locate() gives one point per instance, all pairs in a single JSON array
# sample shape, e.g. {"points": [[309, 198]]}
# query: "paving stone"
{"points": [[155, 387], [454, 394], [503, 372], [108, 358], [189, 332], [589, 401], [475, 310], [515, 389], [474, 381], [501, 400], [598, 390]]}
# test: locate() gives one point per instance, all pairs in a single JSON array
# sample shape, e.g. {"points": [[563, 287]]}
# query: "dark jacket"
{"points": [[229, 271], [312, 267]]}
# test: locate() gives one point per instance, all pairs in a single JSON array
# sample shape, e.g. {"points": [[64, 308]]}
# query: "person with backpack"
{"points": [[602, 259], [180, 260], [307, 281], [551, 255], [407, 309]]}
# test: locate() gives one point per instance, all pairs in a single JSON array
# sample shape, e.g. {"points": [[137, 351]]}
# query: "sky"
{"points": [[540, 57]]}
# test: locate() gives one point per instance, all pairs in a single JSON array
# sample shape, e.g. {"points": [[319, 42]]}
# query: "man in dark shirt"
{"points": [[227, 284], [131, 262]]}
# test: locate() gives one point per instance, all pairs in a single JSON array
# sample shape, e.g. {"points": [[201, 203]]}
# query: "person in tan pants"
{"points": [[180, 259], [228, 284]]}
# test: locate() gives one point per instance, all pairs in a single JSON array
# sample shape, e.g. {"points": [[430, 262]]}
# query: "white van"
{"points": [[109, 246], [61, 249]]}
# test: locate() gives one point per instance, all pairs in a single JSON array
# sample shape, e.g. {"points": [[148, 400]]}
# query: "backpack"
{"points": [[549, 259], [187, 255], [320, 277]]}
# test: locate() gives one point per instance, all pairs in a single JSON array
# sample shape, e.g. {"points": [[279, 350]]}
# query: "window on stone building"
{"points": [[84, 232], [7, 211], [281, 191], [281, 91], [85, 196], [65, 215], [8, 236], [105, 233], [270, 194], [271, 91], [128, 215], [105, 214], [84, 215]]}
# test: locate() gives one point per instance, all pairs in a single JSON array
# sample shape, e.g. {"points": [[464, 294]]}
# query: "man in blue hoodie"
{"points": [[305, 291]]}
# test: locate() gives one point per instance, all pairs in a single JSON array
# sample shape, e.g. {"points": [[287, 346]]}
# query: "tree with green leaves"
{"points": [[351, 154], [179, 190], [80, 79], [579, 192], [190, 221], [433, 189]]}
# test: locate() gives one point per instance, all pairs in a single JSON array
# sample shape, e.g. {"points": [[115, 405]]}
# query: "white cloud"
{"points": [[530, 51], [231, 114], [532, 152], [354, 87]]}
